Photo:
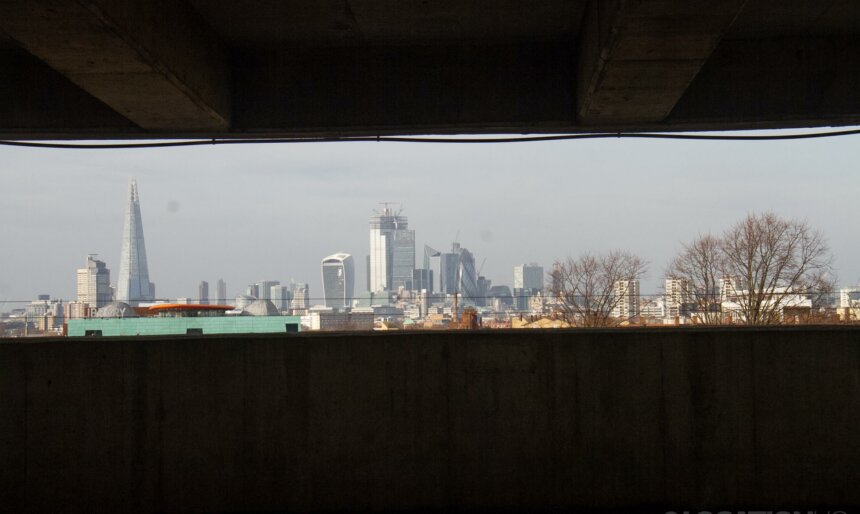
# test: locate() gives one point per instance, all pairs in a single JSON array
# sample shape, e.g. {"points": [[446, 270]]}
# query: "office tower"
{"points": [[281, 297], [392, 251], [449, 266], [484, 285], [521, 299], [432, 258], [301, 297], [457, 273], [528, 282], [338, 278], [626, 296], [528, 277], [203, 292], [404, 259], [133, 285], [252, 290], [467, 277], [422, 280], [221, 292], [94, 283], [263, 289], [429, 253]]}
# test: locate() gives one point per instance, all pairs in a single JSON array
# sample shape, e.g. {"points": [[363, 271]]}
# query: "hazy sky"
{"points": [[253, 212]]}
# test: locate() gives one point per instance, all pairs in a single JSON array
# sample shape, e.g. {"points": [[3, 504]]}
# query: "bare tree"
{"points": [[699, 268], [583, 288], [774, 260]]}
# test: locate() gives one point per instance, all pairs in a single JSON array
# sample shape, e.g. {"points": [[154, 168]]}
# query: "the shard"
{"points": [[134, 285]]}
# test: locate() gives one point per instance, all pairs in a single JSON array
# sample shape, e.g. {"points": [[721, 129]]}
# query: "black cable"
{"points": [[443, 140]]}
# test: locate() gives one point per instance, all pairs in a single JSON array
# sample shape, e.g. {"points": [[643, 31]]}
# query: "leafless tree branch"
{"points": [[583, 287]]}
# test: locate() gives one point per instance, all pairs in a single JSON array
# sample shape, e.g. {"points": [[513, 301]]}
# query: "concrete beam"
{"points": [[154, 62], [636, 58], [405, 89], [36, 101], [779, 82]]}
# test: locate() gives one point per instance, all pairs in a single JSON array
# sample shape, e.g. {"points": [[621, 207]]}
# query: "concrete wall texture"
{"points": [[661, 418]]}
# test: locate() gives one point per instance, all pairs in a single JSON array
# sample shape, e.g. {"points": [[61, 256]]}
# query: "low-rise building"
{"points": [[173, 319]]}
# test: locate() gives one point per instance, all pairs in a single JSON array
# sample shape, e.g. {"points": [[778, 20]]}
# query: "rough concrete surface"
{"points": [[650, 419]]}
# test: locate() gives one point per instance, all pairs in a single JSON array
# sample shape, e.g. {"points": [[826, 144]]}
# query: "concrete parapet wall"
{"points": [[664, 418]]}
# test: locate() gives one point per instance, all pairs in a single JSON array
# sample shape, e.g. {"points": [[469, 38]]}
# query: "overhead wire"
{"points": [[434, 140]]}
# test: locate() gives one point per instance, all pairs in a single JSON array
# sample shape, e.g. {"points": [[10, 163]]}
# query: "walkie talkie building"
{"points": [[338, 276]]}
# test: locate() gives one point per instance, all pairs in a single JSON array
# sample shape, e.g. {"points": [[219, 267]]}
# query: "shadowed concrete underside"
{"points": [[240, 68], [671, 418]]}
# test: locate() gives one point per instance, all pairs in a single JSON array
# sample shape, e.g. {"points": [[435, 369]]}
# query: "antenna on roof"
{"points": [[387, 206], [386, 209]]}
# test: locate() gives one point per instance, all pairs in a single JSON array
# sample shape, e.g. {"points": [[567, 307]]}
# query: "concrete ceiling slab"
{"points": [[334, 23], [237, 68]]}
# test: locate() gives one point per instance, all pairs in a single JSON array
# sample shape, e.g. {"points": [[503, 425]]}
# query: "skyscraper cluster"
{"points": [[396, 286], [94, 290], [391, 268]]}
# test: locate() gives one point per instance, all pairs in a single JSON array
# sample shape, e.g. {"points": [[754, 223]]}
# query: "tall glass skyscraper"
{"points": [[449, 271], [338, 276], [221, 292], [467, 277], [281, 296], [203, 292], [133, 285], [528, 277], [457, 274], [392, 252], [264, 289]]}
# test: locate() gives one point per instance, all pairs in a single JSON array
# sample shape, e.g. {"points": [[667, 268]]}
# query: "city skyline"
{"points": [[208, 229]]}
